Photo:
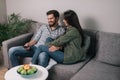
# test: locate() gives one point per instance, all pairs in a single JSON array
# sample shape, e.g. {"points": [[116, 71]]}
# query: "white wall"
{"points": [[2, 11], [101, 15]]}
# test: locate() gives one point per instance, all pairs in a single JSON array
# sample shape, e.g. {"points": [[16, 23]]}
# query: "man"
{"points": [[52, 30]]}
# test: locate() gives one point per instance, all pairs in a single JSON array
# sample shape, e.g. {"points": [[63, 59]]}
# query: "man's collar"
{"points": [[55, 27]]}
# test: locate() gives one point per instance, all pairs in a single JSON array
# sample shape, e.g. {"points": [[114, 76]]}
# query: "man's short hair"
{"points": [[54, 12]]}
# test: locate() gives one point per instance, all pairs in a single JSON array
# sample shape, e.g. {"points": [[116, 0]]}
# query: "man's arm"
{"points": [[29, 44], [36, 37]]}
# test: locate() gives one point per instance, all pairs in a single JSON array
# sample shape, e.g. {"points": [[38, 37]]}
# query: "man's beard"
{"points": [[53, 24]]}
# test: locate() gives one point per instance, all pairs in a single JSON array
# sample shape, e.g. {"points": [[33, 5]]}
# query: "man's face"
{"points": [[52, 20]]}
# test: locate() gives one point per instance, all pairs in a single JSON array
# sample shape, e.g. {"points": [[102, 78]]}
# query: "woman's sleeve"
{"points": [[62, 40]]}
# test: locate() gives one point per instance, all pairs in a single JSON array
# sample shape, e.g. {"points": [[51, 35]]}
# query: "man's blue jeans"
{"points": [[20, 51], [43, 55]]}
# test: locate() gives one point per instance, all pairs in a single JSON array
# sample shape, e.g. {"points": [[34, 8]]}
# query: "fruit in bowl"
{"points": [[27, 70]]}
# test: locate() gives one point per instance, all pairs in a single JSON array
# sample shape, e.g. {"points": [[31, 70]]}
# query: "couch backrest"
{"points": [[108, 48], [35, 26]]}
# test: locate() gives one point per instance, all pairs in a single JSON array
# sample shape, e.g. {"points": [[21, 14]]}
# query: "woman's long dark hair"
{"points": [[72, 19]]}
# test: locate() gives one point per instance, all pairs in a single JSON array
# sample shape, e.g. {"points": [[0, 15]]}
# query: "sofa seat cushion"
{"points": [[109, 48], [64, 72], [95, 70]]}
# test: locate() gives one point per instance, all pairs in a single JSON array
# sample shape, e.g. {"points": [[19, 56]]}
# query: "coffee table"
{"points": [[12, 74]]}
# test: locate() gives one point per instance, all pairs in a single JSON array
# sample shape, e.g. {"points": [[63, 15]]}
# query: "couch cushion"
{"points": [[95, 70], [109, 48], [64, 72]]}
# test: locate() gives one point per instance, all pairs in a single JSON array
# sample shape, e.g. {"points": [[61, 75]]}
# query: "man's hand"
{"points": [[26, 46], [53, 48]]}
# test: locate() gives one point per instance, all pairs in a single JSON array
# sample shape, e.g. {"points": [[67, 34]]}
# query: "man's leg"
{"points": [[57, 56], [49, 39], [37, 53], [43, 59], [19, 51]]}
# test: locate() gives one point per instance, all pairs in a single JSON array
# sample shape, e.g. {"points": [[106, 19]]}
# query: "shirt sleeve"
{"points": [[67, 37], [38, 34]]}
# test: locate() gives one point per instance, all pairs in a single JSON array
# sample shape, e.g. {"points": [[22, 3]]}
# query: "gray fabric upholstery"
{"points": [[108, 48], [95, 70], [104, 66], [34, 27], [64, 72]]}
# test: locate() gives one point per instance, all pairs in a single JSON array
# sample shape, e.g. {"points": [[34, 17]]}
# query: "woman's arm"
{"points": [[54, 48], [71, 34]]}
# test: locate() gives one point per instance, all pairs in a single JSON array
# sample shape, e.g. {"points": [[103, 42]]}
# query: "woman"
{"points": [[72, 42]]}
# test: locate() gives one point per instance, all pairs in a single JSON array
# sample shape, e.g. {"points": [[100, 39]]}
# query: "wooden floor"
{"points": [[2, 68], [2, 72]]}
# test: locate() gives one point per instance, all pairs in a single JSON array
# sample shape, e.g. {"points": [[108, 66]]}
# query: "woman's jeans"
{"points": [[43, 55], [20, 51]]}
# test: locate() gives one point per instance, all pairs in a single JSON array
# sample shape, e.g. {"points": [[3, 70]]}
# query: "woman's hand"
{"points": [[53, 48]]}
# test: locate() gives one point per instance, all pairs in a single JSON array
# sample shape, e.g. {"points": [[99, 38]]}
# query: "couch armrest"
{"points": [[16, 41]]}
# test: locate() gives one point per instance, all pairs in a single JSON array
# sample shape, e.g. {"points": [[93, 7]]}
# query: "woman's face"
{"points": [[65, 22]]}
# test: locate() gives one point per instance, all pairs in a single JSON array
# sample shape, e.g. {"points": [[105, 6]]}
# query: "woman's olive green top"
{"points": [[71, 41]]}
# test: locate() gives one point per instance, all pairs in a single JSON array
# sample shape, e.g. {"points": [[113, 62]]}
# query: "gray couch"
{"points": [[102, 63], [106, 64]]}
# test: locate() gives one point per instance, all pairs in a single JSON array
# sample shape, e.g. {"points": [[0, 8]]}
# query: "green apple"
{"points": [[23, 72], [30, 71], [20, 69], [34, 69]]}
